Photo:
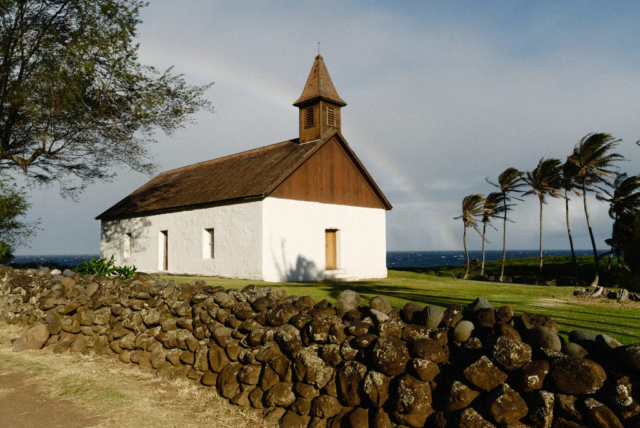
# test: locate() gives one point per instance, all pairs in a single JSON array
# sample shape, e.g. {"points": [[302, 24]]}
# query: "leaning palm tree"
{"points": [[472, 209], [594, 162], [508, 182], [544, 181], [493, 207], [569, 171], [623, 198]]}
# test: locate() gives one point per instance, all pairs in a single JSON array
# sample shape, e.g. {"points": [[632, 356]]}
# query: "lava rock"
{"points": [[428, 349], [347, 301], [462, 331], [506, 406], [543, 337], [573, 375], [599, 415], [376, 386], [349, 382], [531, 376], [390, 356], [484, 374], [412, 313], [413, 395], [381, 304], [459, 396], [511, 354], [433, 316], [280, 395]]}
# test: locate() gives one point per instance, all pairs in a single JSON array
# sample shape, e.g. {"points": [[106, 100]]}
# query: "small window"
{"points": [[309, 118], [209, 246], [331, 116], [127, 245]]}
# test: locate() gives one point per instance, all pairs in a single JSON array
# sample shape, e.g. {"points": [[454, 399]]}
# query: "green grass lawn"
{"points": [[621, 321]]}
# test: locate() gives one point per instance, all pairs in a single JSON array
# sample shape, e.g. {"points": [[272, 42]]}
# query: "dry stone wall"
{"points": [[311, 364]]}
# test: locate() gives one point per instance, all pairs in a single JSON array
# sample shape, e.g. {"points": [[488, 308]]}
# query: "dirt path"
{"points": [[43, 389], [24, 407]]}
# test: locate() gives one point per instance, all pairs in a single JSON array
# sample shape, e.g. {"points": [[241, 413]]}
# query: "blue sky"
{"points": [[440, 96]]}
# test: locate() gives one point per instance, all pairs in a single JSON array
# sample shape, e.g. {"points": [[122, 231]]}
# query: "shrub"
{"points": [[104, 267], [6, 254]]}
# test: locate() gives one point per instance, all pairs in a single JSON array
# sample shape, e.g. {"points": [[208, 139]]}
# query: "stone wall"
{"points": [[311, 364]]}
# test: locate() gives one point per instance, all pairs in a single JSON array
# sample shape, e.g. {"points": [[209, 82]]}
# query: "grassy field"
{"points": [[621, 321]]}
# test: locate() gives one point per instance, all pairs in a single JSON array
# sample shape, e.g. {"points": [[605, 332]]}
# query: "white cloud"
{"points": [[439, 97]]}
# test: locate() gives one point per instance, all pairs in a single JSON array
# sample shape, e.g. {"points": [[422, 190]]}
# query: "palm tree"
{"points": [[508, 182], [623, 198], [472, 209], [569, 171], [493, 207], [593, 161], [544, 180]]}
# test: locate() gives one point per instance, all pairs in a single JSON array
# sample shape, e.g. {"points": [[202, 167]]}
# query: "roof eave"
{"points": [[307, 101], [180, 208]]}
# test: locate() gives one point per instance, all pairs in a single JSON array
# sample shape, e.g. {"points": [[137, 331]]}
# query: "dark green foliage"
{"points": [[6, 254], [509, 181], [74, 99], [593, 163], [525, 270], [626, 234], [13, 231], [104, 267], [472, 211], [545, 180]]}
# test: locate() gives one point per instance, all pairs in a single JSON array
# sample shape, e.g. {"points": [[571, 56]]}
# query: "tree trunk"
{"points": [[484, 231], [504, 238], [593, 241], [540, 270], [611, 253], [573, 253], [466, 253]]}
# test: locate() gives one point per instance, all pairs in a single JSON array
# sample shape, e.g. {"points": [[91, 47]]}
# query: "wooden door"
{"points": [[165, 251], [331, 262]]}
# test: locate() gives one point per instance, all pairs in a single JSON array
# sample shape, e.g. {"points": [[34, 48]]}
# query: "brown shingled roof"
{"points": [[319, 85], [253, 173]]}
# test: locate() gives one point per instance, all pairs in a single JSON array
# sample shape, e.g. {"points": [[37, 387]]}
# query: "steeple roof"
{"points": [[319, 85]]}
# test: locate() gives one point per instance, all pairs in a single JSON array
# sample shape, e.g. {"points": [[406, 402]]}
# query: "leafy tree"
{"points": [[493, 207], [569, 171], [74, 99], [13, 231], [594, 162], [626, 233], [623, 198], [509, 181], [472, 209], [544, 180]]}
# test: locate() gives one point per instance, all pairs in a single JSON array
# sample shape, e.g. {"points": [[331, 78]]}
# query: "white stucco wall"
{"points": [[237, 232], [294, 240], [272, 240]]}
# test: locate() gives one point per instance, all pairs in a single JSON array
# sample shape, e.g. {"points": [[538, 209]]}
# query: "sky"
{"points": [[441, 95]]}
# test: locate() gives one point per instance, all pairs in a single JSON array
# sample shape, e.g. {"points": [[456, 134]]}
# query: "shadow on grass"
{"points": [[620, 323]]}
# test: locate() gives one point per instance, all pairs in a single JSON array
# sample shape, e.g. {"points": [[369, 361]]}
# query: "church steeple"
{"points": [[319, 104]]}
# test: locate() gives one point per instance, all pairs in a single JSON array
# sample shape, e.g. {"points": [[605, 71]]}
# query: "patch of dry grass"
{"points": [[122, 395]]}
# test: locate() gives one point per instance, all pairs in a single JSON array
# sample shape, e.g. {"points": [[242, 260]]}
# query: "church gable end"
{"points": [[330, 176]]}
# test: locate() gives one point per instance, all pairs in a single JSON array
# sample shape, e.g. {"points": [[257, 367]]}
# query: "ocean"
{"points": [[395, 259]]}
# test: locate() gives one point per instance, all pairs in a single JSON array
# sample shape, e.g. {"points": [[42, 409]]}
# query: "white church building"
{"points": [[301, 210]]}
